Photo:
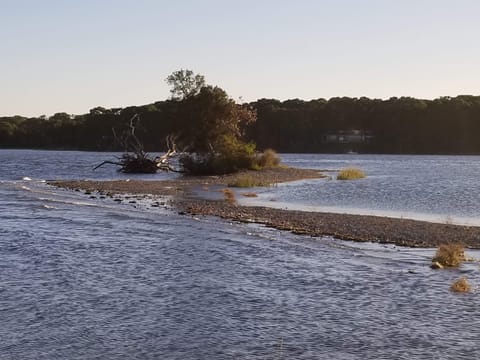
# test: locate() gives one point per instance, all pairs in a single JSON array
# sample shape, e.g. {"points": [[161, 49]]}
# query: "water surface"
{"points": [[84, 278], [433, 188]]}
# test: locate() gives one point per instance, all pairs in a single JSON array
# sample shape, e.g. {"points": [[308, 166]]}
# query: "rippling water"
{"points": [[84, 278], [434, 188]]}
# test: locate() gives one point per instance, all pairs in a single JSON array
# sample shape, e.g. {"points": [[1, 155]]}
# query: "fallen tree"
{"points": [[134, 159], [209, 126]]}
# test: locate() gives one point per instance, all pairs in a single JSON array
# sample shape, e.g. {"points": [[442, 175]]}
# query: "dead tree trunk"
{"points": [[134, 159]]}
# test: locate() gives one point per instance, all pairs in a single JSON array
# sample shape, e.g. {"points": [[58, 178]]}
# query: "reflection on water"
{"points": [[85, 278]]}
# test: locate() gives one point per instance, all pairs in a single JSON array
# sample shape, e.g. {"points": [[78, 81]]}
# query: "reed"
{"points": [[229, 196], [449, 255], [350, 174], [268, 159], [246, 181]]}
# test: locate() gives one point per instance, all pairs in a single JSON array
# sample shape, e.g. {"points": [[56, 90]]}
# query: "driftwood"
{"points": [[135, 159]]}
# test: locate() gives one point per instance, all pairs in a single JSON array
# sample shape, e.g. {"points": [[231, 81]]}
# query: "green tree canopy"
{"points": [[185, 83], [210, 125], [210, 117]]}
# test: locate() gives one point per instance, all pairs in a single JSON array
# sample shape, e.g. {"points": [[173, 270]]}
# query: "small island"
{"points": [[210, 143], [401, 232]]}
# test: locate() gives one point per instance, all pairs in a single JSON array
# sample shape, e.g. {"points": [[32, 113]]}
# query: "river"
{"points": [[90, 278]]}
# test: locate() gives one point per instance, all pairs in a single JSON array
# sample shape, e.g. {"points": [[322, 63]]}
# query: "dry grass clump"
{"points": [[449, 255], [229, 196], [249, 194], [246, 181], [268, 159], [461, 285], [350, 174]]}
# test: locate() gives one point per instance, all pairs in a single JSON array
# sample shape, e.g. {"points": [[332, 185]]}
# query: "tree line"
{"points": [[405, 125]]}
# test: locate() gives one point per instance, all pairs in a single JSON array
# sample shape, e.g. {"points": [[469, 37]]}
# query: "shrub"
{"points": [[268, 159], [246, 181], [449, 255], [231, 155], [461, 285], [350, 174], [215, 164], [229, 195]]}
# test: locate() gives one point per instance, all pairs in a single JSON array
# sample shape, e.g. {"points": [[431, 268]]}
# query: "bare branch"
{"points": [[107, 162], [136, 144], [138, 161]]}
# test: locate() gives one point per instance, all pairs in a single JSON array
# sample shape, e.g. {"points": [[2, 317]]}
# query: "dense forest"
{"points": [[447, 125]]}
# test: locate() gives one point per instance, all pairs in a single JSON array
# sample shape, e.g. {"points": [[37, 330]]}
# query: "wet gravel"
{"points": [[362, 228]]}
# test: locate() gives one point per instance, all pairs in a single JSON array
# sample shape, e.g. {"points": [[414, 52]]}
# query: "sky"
{"points": [[73, 55]]}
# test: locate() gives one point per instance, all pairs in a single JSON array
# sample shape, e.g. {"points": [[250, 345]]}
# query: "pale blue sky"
{"points": [[73, 55]]}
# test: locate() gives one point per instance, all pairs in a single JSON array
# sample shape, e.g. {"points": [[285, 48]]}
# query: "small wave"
{"points": [[69, 202], [41, 181], [49, 207]]}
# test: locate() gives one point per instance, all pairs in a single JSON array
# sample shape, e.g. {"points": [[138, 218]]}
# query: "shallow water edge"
{"points": [[360, 228]]}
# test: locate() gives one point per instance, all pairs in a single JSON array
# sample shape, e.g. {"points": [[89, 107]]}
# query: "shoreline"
{"points": [[359, 228]]}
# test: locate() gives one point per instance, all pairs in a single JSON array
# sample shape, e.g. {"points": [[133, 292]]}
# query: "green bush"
{"points": [[350, 174], [229, 156], [215, 164]]}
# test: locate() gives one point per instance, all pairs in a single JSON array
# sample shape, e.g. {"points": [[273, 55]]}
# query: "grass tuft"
{"points": [[449, 255], [246, 181], [461, 285], [268, 159], [229, 196], [350, 174], [249, 194]]}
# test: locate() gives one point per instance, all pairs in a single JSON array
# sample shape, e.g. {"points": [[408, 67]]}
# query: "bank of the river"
{"points": [[343, 226], [363, 228], [181, 185]]}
